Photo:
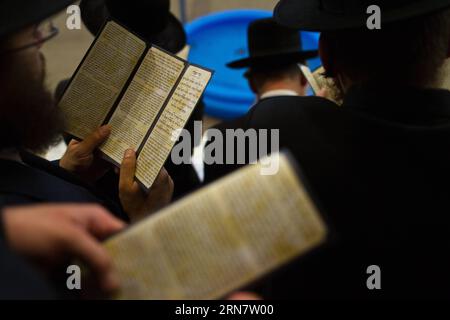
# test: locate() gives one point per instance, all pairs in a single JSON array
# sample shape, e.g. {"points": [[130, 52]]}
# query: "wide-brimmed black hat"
{"points": [[17, 14], [272, 44], [151, 19], [323, 15]]}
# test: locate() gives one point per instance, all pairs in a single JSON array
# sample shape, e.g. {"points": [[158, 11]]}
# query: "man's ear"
{"points": [[252, 84], [303, 81]]}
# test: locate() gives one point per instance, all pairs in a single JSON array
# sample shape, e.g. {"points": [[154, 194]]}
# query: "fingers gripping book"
{"points": [[146, 94]]}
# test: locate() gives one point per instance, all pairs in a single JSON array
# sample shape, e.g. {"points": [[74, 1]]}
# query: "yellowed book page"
{"points": [[142, 102], [164, 135], [100, 79], [219, 239]]}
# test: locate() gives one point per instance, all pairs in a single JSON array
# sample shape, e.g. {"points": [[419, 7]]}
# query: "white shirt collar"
{"points": [[278, 93]]}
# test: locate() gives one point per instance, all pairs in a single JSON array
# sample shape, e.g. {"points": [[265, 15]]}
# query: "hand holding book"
{"points": [[143, 92], [137, 203], [79, 159], [219, 239]]}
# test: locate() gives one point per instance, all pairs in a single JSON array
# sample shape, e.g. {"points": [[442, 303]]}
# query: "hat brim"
{"points": [[22, 13], [94, 15], [273, 59], [306, 15], [173, 38]]}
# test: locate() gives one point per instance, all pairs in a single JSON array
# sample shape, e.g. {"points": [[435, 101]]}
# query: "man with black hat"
{"points": [[30, 121], [47, 234], [378, 165], [275, 52]]}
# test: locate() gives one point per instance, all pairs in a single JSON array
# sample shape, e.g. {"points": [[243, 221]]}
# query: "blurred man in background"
{"points": [[379, 165], [274, 55]]}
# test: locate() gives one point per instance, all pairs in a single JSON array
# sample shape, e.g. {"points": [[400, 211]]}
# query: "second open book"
{"points": [[221, 238], [146, 94]]}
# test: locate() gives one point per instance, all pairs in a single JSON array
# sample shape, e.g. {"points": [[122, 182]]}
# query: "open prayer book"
{"points": [[146, 94], [219, 239]]}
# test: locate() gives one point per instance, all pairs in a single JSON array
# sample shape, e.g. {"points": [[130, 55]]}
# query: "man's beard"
{"points": [[29, 118]]}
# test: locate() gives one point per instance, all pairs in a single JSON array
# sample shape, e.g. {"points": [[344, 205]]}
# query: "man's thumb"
{"points": [[94, 140]]}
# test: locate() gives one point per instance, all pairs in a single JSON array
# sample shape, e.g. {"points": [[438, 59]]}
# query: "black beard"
{"points": [[29, 118]]}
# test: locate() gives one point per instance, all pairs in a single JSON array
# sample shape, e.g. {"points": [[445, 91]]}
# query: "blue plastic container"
{"points": [[220, 38]]}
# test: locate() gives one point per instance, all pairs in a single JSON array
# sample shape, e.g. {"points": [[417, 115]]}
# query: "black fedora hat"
{"points": [[272, 44], [151, 19], [94, 14], [17, 14], [323, 15]]}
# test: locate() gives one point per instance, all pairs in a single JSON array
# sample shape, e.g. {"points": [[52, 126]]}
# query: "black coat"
{"points": [[380, 169], [39, 181], [19, 280]]}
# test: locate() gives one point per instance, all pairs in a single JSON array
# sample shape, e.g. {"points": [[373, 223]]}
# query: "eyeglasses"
{"points": [[41, 34]]}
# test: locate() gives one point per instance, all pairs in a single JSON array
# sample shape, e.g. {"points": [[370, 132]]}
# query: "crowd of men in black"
{"points": [[379, 163]]}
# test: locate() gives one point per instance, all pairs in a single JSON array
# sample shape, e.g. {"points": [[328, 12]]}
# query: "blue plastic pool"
{"points": [[219, 38]]}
